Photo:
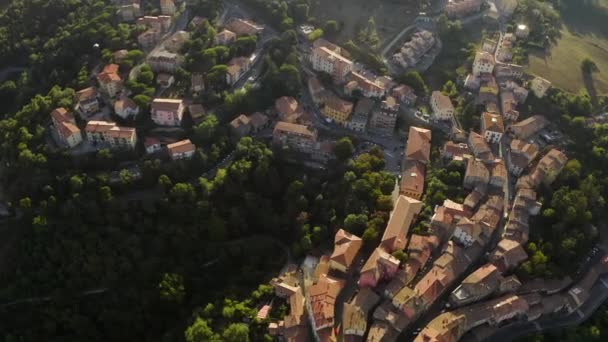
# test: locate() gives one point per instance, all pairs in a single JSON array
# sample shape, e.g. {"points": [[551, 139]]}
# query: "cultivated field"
{"points": [[584, 34], [391, 16]]}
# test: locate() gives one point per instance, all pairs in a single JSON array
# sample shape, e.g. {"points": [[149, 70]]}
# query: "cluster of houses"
{"points": [[108, 134], [527, 304], [97, 127], [496, 78], [393, 294], [238, 27], [379, 101], [413, 50]]}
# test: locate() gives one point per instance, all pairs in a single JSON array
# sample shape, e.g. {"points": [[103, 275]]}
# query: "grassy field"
{"points": [[584, 34], [390, 16]]}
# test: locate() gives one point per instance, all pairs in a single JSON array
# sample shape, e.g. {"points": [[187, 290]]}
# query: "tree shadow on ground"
{"points": [[585, 17], [590, 86]]}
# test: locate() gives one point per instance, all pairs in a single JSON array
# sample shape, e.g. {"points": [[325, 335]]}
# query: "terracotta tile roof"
{"points": [[241, 120], [323, 296], [482, 274], [287, 106], [321, 42], [182, 146], [413, 176], [499, 170], [554, 160], [315, 85], [373, 262], [455, 149], [338, 104], [124, 103], [454, 208], [403, 90], [419, 144], [62, 115], [107, 78], [283, 127], [480, 146], [365, 83], [196, 110], [390, 103], [171, 105], [484, 57], [492, 122], [510, 252], [150, 141], [111, 69], [395, 235], [346, 248], [241, 26], [443, 101], [109, 128], [258, 119], [327, 53], [521, 147], [355, 312], [364, 106], [528, 127], [67, 128], [473, 198], [86, 94], [99, 126], [441, 216], [471, 228], [476, 169], [225, 35], [235, 65], [446, 327]]}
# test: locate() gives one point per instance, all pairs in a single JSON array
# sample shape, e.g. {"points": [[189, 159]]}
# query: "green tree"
{"points": [[236, 332], [142, 101], [414, 80], [588, 66], [331, 28], [172, 288], [126, 177], [344, 149], [355, 223], [165, 182], [200, 331]]}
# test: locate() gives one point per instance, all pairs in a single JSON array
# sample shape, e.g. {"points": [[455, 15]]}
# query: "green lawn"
{"points": [[584, 34], [390, 16]]}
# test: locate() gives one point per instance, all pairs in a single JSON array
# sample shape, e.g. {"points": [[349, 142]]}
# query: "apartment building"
{"points": [[237, 67], [337, 109], [167, 7], [492, 127], [483, 63], [86, 101], [442, 106], [167, 112], [65, 127], [109, 134], [109, 80], [297, 137], [383, 119], [326, 60], [164, 61], [183, 149]]}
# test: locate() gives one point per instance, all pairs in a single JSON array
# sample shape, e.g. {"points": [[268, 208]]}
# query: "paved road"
{"points": [[599, 294], [48, 298], [397, 39]]}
